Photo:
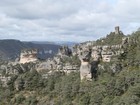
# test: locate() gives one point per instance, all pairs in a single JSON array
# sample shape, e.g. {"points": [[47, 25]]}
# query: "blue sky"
{"points": [[66, 20]]}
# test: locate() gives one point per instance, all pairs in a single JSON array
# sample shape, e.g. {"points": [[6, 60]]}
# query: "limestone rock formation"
{"points": [[90, 54], [85, 68], [96, 53], [28, 55], [64, 51], [88, 68]]}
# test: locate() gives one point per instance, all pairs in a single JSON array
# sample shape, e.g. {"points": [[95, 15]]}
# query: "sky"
{"points": [[66, 20]]}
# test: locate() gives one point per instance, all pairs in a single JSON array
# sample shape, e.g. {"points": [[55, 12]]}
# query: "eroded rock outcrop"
{"points": [[64, 51], [28, 55], [90, 54], [89, 66], [85, 68]]}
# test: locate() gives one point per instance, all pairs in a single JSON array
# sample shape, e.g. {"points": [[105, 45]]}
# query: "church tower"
{"points": [[117, 30]]}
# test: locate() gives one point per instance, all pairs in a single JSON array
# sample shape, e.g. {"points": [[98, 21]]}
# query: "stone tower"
{"points": [[117, 30]]}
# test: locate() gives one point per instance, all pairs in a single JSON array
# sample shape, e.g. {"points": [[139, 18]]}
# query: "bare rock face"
{"points": [[49, 64], [56, 64], [96, 53], [64, 51], [104, 53], [85, 68], [28, 55]]}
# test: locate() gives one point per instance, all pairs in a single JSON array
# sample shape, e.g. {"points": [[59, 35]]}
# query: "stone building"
{"points": [[117, 30]]}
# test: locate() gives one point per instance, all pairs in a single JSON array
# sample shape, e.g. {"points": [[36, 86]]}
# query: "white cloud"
{"points": [[74, 20]]}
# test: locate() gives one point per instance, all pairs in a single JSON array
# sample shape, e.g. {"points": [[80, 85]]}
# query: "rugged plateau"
{"points": [[102, 72]]}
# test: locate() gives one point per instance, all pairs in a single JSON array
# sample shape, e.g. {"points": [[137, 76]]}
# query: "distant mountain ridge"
{"points": [[10, 49], [67, 43], [62, 43], [42, 42]]}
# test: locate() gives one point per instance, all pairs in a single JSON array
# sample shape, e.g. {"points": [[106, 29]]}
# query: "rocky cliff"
{"points": [[28, 55], [86, 58], [11, 49], [102, 72]]}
